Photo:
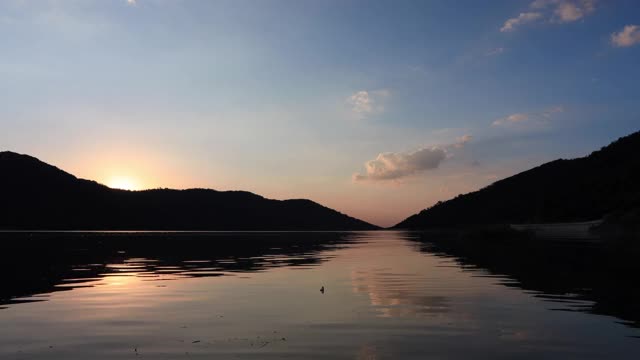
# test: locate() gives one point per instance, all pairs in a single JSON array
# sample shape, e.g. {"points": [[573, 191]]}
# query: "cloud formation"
{"points": [[523, 18], [393, 166], [629, 36], [365, 102], [540, 116], [569, 11], [131, 2], [566, 10], [557, 11]]}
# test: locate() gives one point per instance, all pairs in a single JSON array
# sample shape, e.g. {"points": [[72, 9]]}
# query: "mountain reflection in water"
{"points": [[388, 295], [588, 277], [40, 263]]}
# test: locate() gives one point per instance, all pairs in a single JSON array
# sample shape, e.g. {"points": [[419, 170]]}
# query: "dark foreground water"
{"points": [[388, 295]]}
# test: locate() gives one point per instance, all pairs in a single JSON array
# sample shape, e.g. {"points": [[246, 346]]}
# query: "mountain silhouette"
{"points": [[582, 189], [38, 196]]}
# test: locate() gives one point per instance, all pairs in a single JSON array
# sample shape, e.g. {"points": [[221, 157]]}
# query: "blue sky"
{"points": [[377, 109]]}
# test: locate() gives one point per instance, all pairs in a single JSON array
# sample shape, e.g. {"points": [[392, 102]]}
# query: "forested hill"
{"points": [[580, 189], [36, 195]]}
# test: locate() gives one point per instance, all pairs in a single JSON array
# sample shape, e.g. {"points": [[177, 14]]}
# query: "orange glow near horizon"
{"points": [[144, 167], [123, 167], [124, 183]]}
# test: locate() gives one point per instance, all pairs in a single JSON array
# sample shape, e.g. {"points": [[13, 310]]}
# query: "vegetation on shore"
{"points": [[38, 196], [589, 188]]}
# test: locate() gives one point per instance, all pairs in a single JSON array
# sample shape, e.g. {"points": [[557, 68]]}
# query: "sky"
{"points": [[377, 109]]}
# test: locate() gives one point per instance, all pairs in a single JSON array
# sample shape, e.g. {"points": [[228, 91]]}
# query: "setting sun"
{"points": [[123, 182]]}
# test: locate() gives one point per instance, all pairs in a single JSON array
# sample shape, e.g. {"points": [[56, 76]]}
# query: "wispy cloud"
{"points": [[132, 2], [523, 18], [394, 166], [462, 141], [496, 51], [629, 36], [540, 116], [511, 119], [419, 70], [365, 102], [557, 11], [552, 110]]}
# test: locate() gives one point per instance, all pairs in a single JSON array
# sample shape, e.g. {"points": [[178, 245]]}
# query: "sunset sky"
{"points": [[376, 109]]}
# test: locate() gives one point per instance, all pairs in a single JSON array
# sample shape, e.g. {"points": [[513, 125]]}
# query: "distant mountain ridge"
{"points": [[39, 196], [581, 189]]}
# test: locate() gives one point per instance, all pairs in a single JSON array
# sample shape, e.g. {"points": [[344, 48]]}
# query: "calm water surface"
{"points": [[387, 296]]}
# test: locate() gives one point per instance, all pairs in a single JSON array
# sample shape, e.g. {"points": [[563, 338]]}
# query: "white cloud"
{"points": [[569, 11], [390, 166], [523, 18], [393, 166], [629, 36], [132, 2], [540, 116], [566, 10], [558, 11], [361, 102], [365, 102]]}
